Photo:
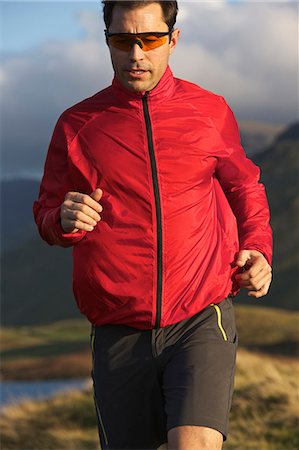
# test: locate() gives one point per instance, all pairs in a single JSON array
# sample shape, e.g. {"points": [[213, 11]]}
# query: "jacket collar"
{"points": [[162, 91]]}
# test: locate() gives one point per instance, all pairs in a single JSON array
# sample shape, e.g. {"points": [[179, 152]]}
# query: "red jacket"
{"points": [[177, 188]]}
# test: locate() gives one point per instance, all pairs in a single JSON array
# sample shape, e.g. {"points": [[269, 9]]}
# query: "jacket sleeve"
{"points": [[239, 178], [54, 186]]}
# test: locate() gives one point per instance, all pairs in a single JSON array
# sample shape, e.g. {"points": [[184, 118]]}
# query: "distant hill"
{"points": [[17, 224], [37, 284], [36, 278], [256, 136], [290, 134], [279, 173]]}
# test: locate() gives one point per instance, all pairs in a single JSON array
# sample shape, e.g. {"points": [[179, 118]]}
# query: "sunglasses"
{"points": [[146, 41]]}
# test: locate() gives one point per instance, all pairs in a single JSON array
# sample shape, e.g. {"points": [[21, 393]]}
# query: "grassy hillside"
{"points": [[61, 349], [58, 350], [264, 415], [268, 330]]}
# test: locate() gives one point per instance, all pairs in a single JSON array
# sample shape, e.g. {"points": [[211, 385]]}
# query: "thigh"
{"points": [[199, 373], [127, 389]]}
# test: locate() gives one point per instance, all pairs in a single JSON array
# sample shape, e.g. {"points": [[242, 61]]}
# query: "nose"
{"points": [[136, 52]]}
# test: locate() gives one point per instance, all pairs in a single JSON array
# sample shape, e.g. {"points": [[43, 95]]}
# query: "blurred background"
{"points": [[53, 55]]}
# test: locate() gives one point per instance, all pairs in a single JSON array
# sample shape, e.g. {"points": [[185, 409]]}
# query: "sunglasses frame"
{"points": [[138, 35]]}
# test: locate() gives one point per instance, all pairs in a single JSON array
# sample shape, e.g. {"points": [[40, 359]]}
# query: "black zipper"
{"points": [[158, 208]]}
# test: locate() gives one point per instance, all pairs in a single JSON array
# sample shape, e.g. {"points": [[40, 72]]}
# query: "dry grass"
{"points": [[265, 411], [63, 422], [264, 416]]}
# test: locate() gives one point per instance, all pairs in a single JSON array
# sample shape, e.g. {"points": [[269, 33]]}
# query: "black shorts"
{"points": [[149, 381]]}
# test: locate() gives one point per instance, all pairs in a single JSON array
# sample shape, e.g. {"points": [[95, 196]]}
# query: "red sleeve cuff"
{"points": [[266, 252], [53, 232]]}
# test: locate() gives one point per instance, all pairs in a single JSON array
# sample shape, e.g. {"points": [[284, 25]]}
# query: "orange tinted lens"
{"points": [[151, 41], [122, 42], [125, 41]]}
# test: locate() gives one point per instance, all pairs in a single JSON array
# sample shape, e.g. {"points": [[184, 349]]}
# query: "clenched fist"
{"points": [[81, 211], [257, 274]]}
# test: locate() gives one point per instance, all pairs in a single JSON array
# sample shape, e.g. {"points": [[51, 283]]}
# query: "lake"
{"points": [[17, 391]]}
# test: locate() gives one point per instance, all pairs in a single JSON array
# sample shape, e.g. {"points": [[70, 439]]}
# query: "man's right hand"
{"points": [[80, 211]]}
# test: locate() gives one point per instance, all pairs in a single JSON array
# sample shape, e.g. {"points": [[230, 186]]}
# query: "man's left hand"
{"points": [[257, 274]]}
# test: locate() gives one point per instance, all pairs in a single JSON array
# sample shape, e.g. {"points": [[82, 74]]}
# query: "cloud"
{"points": [[38, 85], [246, 52]]}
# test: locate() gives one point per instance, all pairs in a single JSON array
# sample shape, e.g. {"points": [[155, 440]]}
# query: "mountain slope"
{"points": [[279, 173], [37, 284], [17, 224]]}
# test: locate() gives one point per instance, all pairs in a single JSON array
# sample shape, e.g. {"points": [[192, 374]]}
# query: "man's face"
{"points": [[136, 69]]}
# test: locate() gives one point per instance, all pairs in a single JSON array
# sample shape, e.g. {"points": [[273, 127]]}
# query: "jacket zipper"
{"points": [[158, 207]]}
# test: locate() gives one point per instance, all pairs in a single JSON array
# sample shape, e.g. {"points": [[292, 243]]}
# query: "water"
{"points": [[17, 391]]}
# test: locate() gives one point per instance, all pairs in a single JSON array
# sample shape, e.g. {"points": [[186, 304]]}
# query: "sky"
{"points": [[53, 55]]}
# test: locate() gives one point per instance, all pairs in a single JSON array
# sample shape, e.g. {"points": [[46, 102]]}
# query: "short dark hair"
{"points": [[169, 9]]}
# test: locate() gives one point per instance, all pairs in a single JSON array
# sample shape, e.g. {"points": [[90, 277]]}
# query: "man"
{"points": [[148, 181]]}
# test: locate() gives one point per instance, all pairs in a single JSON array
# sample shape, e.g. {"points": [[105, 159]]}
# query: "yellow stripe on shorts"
{"points": [[218, 311]]}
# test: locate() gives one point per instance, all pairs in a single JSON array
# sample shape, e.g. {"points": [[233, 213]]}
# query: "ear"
{"points": [[174, 40]]}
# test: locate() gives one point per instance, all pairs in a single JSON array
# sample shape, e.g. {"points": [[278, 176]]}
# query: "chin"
{"points": [[137, 87]]}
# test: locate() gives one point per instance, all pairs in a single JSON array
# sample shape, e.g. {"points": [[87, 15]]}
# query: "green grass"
{"points": [[268, 329], [58, 350], [44, 350], [71, 331], [59, 338], [62, 349]]}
